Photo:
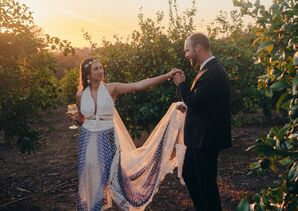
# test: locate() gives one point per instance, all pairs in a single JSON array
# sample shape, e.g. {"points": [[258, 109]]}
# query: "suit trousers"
{"points": [[200, 174]]}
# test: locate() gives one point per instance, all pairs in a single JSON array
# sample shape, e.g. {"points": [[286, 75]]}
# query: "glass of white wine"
{"points": [[72, 112]]}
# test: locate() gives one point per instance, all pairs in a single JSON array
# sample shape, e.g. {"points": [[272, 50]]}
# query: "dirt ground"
{"points": [[47, 179]]}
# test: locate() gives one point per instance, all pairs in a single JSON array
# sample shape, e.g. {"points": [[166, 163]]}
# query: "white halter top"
{"points": [[103, 118]]}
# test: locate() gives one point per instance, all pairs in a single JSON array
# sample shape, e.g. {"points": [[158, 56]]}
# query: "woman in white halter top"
{"points": [[109, 164]]}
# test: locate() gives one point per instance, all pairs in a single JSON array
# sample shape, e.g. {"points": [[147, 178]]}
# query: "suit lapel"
{"points": [[199, 75], [195, 81]]}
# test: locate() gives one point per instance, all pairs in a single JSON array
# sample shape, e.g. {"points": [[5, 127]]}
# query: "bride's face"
{"points": [[96, 71]]}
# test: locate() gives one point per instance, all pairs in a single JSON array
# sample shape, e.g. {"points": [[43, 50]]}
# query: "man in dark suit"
{"points": [[207, 124]]}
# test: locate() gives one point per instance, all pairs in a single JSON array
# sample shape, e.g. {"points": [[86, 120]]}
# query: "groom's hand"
{"points": [[179, 77], [181, 107]]}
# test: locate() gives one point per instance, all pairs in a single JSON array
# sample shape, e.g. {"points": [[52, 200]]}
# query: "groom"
{"points": [[207, 124]]}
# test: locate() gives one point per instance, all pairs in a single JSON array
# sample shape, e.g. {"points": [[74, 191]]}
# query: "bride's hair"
{"points": [[85, 68]]}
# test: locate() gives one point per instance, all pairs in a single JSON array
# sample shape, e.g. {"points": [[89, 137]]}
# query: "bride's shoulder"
{"points": [[111, 86]]}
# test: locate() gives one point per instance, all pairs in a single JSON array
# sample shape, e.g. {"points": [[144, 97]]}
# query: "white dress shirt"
{"points": [[206, 61]]}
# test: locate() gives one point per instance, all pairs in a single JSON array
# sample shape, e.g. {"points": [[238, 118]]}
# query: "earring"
{"points": [[88, 80]]}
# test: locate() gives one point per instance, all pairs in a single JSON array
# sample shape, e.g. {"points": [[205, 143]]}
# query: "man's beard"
{"points": [[194, 60]]}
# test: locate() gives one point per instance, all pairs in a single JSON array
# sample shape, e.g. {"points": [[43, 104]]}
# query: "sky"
{"points": [[104, 18]]}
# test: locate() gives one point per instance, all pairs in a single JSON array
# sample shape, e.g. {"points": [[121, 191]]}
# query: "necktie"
{"points": [[197, 78]]}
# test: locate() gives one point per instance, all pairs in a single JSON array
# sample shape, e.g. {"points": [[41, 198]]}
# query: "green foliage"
{"points": [[277, 40], [152, 50], [244, 205], [155, 49], [69, 85], [27, 81], [232, 44]]}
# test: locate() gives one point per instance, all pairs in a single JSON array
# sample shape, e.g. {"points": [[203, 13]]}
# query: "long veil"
{"points": [[161, 153]]}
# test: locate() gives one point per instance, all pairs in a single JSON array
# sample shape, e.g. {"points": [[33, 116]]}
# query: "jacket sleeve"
{"points": [[202, 94]]}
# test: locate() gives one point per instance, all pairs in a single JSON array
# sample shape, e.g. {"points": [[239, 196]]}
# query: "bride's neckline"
{"points": [[94, 100]]}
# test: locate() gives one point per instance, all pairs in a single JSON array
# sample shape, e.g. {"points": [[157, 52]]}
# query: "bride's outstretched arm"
{"points": [[122, 88]]}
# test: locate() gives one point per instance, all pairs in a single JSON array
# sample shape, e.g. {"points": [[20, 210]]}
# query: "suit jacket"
{"points": [[208, 117]]}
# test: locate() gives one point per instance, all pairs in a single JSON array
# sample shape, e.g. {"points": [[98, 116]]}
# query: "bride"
{"points": [[109, 164]]}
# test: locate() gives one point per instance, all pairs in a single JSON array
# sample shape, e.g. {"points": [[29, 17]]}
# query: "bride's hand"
{"points": [[173, 72]]}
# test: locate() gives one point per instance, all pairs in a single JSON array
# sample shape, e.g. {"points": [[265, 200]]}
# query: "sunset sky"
{"points": [[105, 18]]}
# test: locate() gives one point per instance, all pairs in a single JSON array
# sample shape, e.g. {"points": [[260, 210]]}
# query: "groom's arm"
{"points": [[182, 88], [180, 79], [202, 94]]}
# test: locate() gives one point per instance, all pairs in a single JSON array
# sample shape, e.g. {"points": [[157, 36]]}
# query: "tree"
{"points": [[232, 43], [27, 82], [277, 40], [152, 50]]}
